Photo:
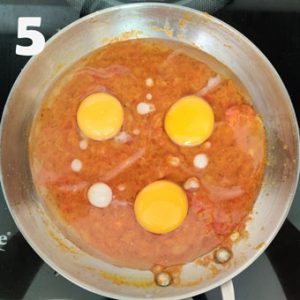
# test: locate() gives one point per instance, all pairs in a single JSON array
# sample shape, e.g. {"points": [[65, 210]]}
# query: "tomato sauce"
{"points": [[228, 185]]}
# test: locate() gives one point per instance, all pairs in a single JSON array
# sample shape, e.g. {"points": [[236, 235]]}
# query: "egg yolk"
{"points": [[189, 121], [161, 206], [100, 116]]}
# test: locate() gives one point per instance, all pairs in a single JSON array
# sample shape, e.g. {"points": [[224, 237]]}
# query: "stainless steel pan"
{"points": [[157, 21]]}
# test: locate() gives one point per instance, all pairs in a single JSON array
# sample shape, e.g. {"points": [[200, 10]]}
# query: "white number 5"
{"points": [[37, 38]]}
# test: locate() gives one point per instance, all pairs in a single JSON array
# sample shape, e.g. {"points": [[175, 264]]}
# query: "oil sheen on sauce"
{"points": [[226, 187]]}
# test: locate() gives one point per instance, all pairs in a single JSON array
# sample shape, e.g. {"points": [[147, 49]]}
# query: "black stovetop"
{"points": [[274, 26]]}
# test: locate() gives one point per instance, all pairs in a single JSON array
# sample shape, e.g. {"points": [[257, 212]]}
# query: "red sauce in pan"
{"points": [[228, 185]]}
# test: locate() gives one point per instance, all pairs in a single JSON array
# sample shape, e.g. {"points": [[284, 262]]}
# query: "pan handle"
{"points": [[227, 291]]}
